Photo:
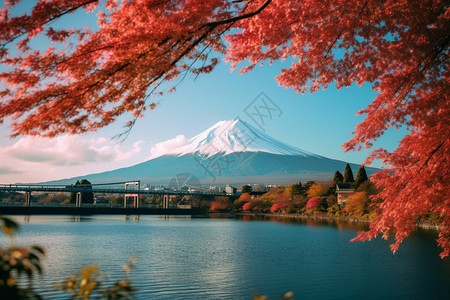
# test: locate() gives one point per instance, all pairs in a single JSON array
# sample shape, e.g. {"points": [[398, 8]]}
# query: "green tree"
{"points": [[348, 174], [338, 178], [86, 197], [246, 189], [331, 200], [297, 189], [302, 189], [73, 195], [361, 176], [306, 186]]}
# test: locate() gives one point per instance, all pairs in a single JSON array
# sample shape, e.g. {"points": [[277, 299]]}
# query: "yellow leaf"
{"points": [[7, 230]]}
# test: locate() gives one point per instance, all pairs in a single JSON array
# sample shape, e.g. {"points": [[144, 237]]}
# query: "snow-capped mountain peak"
{"points": [[235, 136]]}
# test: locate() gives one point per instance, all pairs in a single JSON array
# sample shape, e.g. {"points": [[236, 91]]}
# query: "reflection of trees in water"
{"points": [[314, 222]]}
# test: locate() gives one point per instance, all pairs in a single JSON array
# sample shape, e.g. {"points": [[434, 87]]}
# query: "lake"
{"points": [[226, 258]]}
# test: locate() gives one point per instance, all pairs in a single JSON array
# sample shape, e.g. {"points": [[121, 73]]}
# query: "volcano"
{"points": [[230, 152]]}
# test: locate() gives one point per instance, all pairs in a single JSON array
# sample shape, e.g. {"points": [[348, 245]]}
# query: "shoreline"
{"points": [[346, 219]]}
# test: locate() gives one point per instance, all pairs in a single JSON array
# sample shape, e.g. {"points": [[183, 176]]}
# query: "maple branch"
{"points": [[50, 19], [130, 124], [238, 18], [440, 46], [124, 135], [431, 154], [421, 67], [88, 52], [87, 89], [343, 30]]}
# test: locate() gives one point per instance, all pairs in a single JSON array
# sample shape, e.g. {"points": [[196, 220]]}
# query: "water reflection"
{"points": [[339, 224], [134, 218], [247, 218], [223, 258]]}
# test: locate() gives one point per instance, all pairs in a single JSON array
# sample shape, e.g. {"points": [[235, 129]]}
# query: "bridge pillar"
{"points": [[166, 201], [135, 196], [78, 200], [28, 199], [136, 201]]}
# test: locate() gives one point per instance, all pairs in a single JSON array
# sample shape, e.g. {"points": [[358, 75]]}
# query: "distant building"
{"points": [[343, 191], [257, 193], [230, 190]]}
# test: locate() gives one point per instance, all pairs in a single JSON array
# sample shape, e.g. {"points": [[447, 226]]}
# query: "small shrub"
{"points": [[247, 206], [313, 202]]}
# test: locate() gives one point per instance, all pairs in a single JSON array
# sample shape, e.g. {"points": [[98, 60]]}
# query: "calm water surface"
{"points": [[184, 258]]}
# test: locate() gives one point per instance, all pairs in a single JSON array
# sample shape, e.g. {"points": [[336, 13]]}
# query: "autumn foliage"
{"points": [[243, 198], [89, 78], [218, 206], [313, 203], [247, 206], [356, 203], [220, 203], [277, 199], [316, 190], [400, 47], [274, 208]]}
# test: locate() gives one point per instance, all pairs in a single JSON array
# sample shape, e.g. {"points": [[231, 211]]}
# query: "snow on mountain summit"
{"points": [[235, 136]]}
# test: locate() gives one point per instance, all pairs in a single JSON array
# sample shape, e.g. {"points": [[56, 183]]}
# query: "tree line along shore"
{"points": [[316, 201]]}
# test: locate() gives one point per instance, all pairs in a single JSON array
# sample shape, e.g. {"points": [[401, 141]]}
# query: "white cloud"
{"points": [[8, 170], [33, 159], [67, 150], [167, 146]]}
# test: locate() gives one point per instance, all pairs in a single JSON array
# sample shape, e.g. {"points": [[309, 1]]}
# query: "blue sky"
{"points": [[320, 123]]}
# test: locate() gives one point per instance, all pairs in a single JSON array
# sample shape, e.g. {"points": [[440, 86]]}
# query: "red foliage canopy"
{"points": [[275, 208], [313, 202], [218, 206], [243, 198], [401, 47], [247, 206]]}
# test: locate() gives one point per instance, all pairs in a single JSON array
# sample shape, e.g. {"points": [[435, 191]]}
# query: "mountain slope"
{"points": [[230, 152], [227, 137], [235, 168]]}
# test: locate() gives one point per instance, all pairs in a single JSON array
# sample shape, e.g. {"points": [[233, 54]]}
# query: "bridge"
{"points": [[130, 189]]}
